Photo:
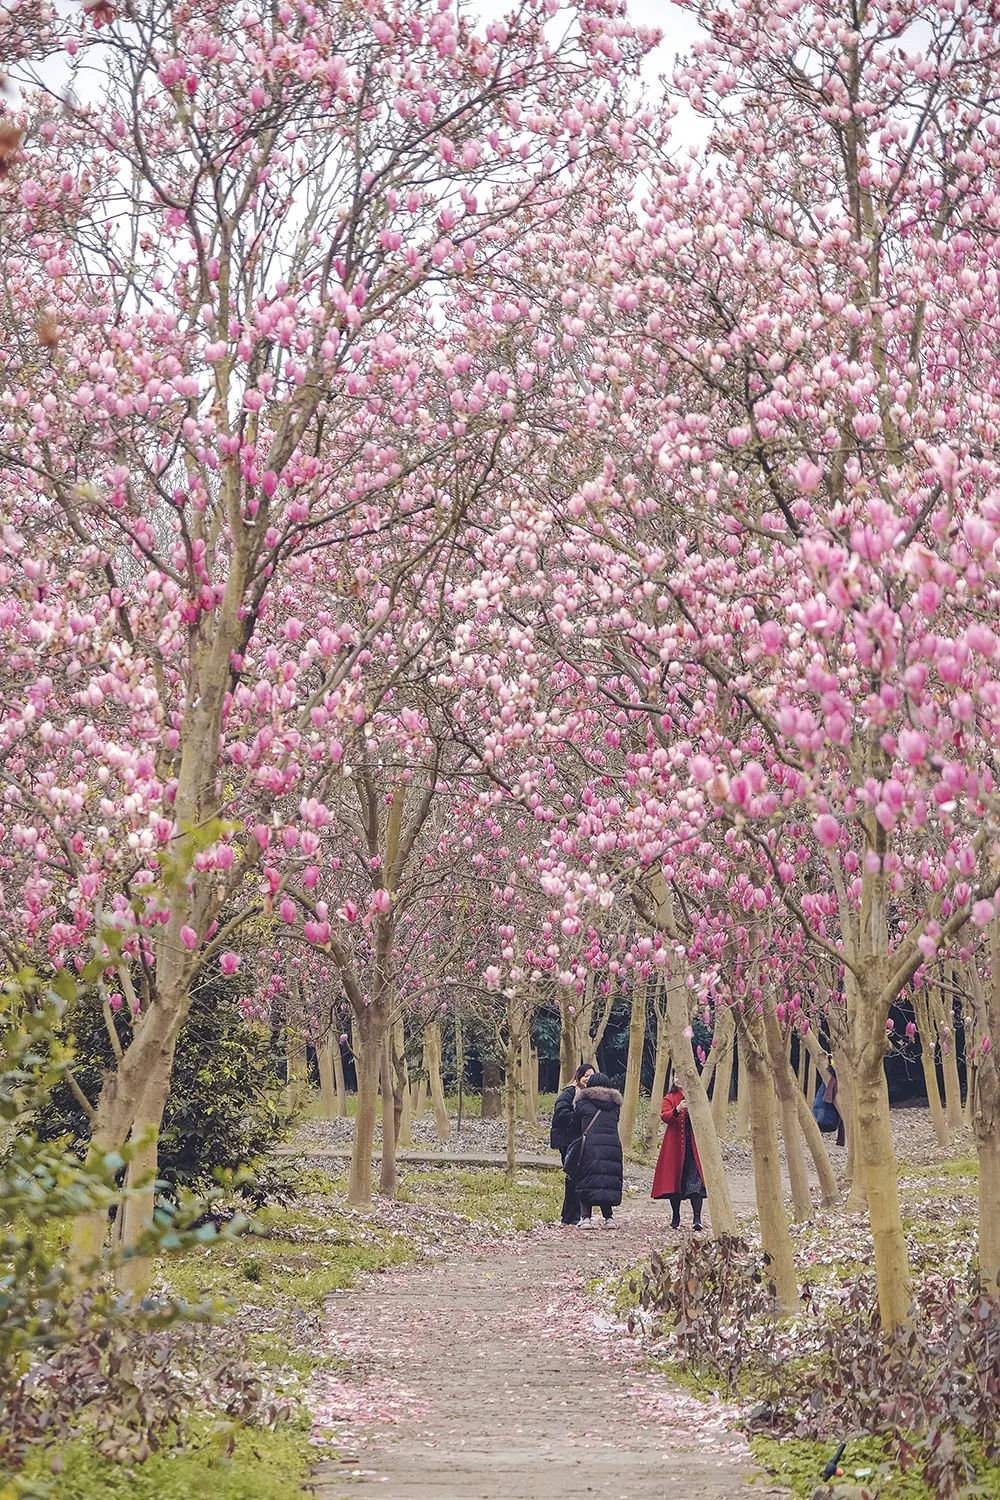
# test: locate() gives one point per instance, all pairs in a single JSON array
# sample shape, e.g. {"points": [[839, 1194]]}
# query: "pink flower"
{"points": [[229, 962], [701, 768], [807, 475], [912, 746], [984, 1045], [287, 909], [189, 938], [983, 913], [771, 636], [827, 830], [381, 901]]}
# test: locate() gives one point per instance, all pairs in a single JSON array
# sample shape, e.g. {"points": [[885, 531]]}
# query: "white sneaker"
{"points": [[611, 1223], [587, 1224]]}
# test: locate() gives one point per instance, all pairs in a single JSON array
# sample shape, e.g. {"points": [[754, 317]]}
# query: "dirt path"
{"points": [[492, 1375]]}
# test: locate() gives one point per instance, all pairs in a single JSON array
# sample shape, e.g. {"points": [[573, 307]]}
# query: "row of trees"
{"points": [[456, 538]]}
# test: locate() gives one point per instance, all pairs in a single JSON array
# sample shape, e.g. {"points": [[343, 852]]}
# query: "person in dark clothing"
{"points": [[826, 1111], [599, 1168], [678, 1171], [565, 1130]]}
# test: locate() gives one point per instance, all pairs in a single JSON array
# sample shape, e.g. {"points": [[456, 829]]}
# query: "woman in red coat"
{"points": [[678, 1171]]}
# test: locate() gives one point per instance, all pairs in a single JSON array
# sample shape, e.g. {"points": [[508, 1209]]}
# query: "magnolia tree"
{"points": [[224, 415], [776, 542]]}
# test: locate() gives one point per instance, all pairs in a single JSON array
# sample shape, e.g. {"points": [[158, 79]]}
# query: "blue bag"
{"points": [[827, 1116]]}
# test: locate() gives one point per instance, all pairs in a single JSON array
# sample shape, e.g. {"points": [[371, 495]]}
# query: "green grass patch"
{"points": [[963, 1167], [483, 1195], [299, 1267], [866, 1463], [209, 1462]]}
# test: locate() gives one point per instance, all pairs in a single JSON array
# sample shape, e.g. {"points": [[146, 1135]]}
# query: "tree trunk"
{"points": [[569, 1060], [529, 1095], [724, 1042], [633, 1067], [388, 1177], [432, 1048], [339, 1080], [329, 1102], [420, 1090], [133, 1275], [813, 1046], [983, 1085], [787, 1089], [367, 1060], [660, 1065], [742, 1096], [510, 1108], [491, 1103], [402, 1093], [124, 1099], [699, 1109], [988, 1147], [296, 1070], [460, 1070], [929, 1068], [813, 1137], [533, 1084], [945, 1011], [846, 1103], [774, 1233], [877, 1161]]}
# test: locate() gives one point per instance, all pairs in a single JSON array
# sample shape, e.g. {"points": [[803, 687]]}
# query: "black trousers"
{"points": [[588, 1208], [695, 1200], [571, 1201]]}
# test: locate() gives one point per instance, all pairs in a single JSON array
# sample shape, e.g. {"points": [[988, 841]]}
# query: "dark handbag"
{"points": [[573, 1160], [827, 1116]]}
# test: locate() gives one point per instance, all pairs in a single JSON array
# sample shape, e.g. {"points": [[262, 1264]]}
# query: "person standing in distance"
{"points": [[678, 1171], [566, 1128], [599, 1170]]}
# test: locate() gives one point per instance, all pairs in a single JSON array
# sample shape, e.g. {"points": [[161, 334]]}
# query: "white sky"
{"points": [[679, 29]]}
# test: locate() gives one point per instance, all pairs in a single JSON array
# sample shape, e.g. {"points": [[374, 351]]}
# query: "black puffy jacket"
{"points": [[599, 1179], [565, 1122]]}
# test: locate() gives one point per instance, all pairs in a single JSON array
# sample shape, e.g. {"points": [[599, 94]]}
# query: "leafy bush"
{"points": [[225, 1106], [929, 1392], [69, 1355]]}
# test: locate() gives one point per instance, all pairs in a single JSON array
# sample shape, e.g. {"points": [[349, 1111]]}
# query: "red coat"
{"points": [[670, 1162]]}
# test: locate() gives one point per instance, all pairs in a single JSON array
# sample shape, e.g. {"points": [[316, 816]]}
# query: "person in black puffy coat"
{"points": [[599, 1169], [565, 1130]]}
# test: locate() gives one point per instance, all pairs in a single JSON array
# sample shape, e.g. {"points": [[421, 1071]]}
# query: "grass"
{"points": [[209, 1462], [292, 1258], [962, 1167], [867, 1462], [484, 1196]]}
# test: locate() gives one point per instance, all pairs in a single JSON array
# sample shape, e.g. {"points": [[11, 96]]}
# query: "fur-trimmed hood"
{"points": [[602, 1097]]}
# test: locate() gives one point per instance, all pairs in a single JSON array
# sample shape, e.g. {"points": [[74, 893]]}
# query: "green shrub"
{"points": [[225, 1106], [72, 1351]]}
